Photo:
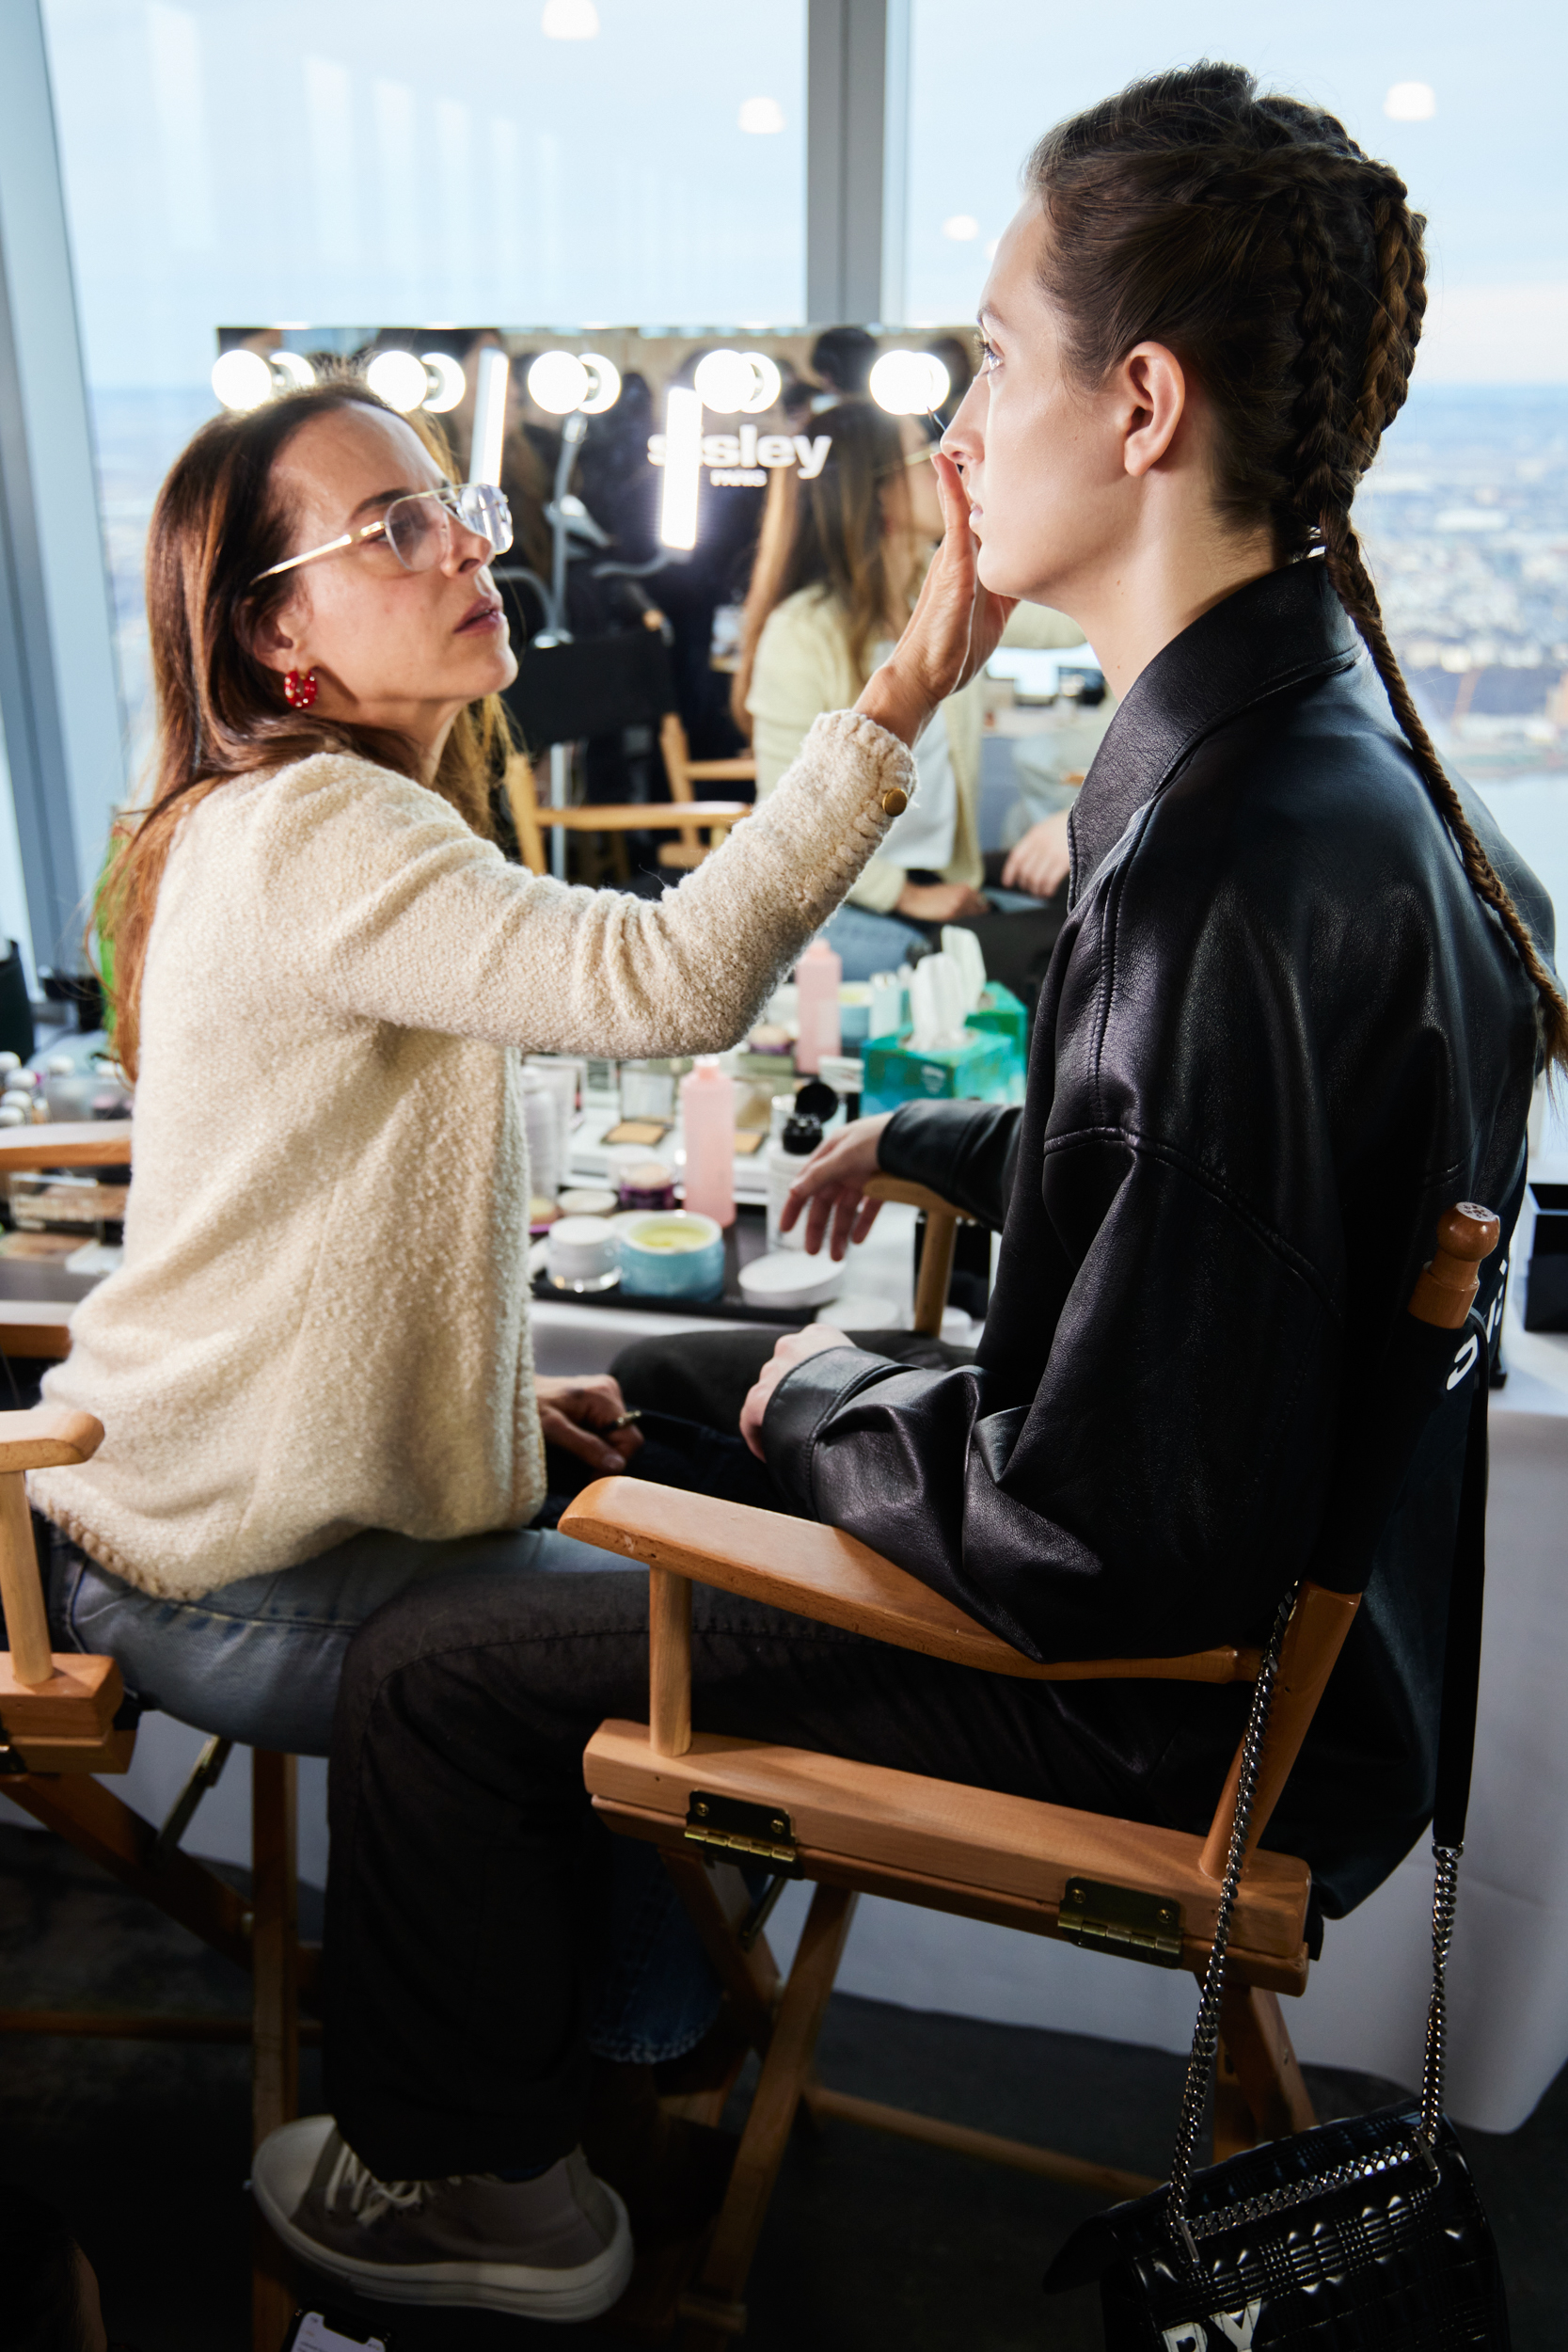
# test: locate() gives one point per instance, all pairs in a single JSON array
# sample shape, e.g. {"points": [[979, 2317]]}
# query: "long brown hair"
{"points": [[1254, 238], [220, 711], [829, 532]]}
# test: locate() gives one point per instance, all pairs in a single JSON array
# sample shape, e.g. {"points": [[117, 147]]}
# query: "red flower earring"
{"points": [[300, 691]]}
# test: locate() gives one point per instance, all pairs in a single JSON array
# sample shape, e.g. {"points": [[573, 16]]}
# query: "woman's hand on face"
{"points": [[580, 1416], [1040, 863], [792, 1349], [940, 902], [830, 1188], [952, 633]]}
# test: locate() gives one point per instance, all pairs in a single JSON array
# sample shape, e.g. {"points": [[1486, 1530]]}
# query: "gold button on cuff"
{"points": [[895, 803]]}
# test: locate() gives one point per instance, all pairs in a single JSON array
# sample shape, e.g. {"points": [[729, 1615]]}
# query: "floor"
{"points": [[872, 2244]]}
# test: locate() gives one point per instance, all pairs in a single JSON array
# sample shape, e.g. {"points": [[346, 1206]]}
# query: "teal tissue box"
{"points": [[999, 1013], [980, 1070]]}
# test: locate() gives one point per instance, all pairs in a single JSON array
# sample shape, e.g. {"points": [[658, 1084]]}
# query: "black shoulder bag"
{"points": [[1361, 2236]]}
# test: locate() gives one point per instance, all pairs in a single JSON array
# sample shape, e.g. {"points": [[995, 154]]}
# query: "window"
{"points": [[1466, 518], [509, 161]]}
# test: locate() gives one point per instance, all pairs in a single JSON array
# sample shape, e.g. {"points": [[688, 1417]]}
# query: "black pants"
{"points": [[469, 1884]]}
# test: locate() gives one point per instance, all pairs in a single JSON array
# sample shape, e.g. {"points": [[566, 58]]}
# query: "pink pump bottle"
{"points": [[817, 978], [708, 1121]]}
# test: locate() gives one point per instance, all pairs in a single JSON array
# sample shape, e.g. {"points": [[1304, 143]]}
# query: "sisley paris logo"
{"points": [[743, 460], [1192, 2335]]}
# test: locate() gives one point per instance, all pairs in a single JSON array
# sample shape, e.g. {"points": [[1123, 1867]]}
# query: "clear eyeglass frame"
{"points": [[479, 506]]}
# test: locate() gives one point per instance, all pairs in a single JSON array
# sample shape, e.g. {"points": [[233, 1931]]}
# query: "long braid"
{"points": [[1335, 449]]}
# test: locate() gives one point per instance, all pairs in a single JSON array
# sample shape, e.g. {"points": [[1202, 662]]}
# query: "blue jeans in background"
{"points": [[866, 942], [260, 1662]]}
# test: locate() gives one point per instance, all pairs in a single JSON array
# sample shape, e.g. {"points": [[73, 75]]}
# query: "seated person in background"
{"points": [[839, 563], [1296, 1010]]}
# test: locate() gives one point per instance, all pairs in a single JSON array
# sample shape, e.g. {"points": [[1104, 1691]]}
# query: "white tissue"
{"points": [[936, 1005], [967, 953]]}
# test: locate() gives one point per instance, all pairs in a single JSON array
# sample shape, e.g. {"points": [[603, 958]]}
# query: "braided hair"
{"points": [[1253, 236]]}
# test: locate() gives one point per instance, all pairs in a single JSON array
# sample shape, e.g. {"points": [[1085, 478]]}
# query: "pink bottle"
{"points": [[817, 978], [708, 1121]]}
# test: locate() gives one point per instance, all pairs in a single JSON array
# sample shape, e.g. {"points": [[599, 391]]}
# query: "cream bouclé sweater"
{"points": [[320, 1320]]}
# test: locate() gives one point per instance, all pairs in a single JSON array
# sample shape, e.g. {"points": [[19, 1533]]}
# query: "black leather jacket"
{"points": [[1279, 1035]]}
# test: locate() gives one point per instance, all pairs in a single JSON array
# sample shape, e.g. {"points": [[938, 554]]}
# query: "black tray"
{"points": [[746, 1239]]}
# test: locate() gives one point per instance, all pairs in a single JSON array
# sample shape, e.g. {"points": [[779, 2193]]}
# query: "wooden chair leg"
{"points": [[275, 1991], [713, 2311], [1256, 2049]]}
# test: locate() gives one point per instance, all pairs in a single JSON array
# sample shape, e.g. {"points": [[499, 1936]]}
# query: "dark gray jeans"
{"points": [[470, 1911]]}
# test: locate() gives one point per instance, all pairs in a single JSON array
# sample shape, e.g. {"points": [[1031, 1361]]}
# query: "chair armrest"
{"points": [[822, 1573], [47, 1436], [67, 1143], [914, 1197], [646, 817]]}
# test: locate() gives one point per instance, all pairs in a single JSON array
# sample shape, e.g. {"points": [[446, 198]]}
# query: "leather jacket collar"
{"points": [[1276, 632]]}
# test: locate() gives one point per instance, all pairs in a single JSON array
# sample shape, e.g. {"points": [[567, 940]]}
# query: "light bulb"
{"points": [[399, 379], [569, 20], [1411, 101], [450, 382], [767, 384], [604, 383], [292, 372], [724, 382], [761, 115], [242, 379], [683, 463], [558, 382], [909, 383]]}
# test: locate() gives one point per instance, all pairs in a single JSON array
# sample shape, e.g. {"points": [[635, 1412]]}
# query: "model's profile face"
{"points": [[383, 641], [1042, 459]]}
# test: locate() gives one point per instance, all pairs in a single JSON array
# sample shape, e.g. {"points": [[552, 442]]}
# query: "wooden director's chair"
{"points": [[58, 1736], [682, 814], [1119, 1887]]}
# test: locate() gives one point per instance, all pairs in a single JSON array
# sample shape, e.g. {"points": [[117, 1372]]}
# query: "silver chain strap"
{"points": [[1445, 1898], [1205, 2034]]}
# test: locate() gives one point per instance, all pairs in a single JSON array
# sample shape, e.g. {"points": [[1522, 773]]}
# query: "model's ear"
{"points": [[1154, 398]]}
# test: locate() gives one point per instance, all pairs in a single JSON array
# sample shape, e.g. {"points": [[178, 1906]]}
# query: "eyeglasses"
{"points": [[418, 527]]}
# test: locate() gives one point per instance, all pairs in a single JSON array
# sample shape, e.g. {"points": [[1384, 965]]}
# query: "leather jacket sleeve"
{"points": [[966, 1151], [1160, 1472]]}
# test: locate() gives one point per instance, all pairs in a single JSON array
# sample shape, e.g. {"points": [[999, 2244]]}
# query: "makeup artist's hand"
{"points": [[792, 1349], [952, 630], [832, 1188], [580, 1416]]}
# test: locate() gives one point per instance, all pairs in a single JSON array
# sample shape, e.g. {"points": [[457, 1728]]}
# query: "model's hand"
{"points": [[579, 1417], [952, 630], [832, 1186], [792, 1349], [1040, 863], [940, 902]]}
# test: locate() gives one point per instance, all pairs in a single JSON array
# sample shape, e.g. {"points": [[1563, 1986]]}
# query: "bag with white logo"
{"points": [[1365, 2235]]}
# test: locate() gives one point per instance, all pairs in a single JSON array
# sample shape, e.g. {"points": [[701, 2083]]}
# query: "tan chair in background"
{"points": [[57, 1736], [532, 819], [1121, 1888]]}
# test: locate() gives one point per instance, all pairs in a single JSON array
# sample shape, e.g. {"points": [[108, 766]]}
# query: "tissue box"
{"points": [[999, 1013], [982, 1069]]}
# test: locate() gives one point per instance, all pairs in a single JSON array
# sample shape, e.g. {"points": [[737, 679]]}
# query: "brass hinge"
{"points": [[1118, 1919], [729, 1825]]}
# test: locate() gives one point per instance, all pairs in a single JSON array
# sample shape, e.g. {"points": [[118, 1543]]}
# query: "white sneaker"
{"points": [[557, 2248]]}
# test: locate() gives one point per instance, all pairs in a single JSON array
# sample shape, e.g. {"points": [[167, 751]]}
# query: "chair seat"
{"points": [[950, 1848]]}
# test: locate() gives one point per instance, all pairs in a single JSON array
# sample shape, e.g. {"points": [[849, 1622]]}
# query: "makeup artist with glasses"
{"points": [[313, 1365]]}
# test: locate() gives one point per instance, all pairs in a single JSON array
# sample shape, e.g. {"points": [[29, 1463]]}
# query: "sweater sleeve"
{"points": [[377, 899]]}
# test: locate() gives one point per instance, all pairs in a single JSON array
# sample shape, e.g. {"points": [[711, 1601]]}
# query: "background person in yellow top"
{"points": [[838, 568]]}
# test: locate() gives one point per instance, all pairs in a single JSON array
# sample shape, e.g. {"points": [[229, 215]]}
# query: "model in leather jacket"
{"points": [[1279, 1036]]}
